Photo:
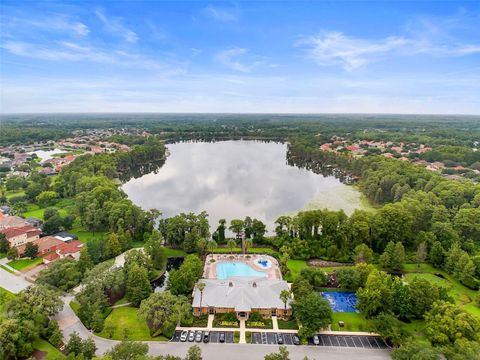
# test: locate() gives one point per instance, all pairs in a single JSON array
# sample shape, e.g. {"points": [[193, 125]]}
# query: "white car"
{"points": [[191, 336], [183, 336], [199, 336], [316, 340]]}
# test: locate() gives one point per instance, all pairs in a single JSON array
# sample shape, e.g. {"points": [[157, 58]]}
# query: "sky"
{"points": [[240, 57]]}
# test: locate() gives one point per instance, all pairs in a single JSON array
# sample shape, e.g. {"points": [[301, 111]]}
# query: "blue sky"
{"points": [[281, 57]]}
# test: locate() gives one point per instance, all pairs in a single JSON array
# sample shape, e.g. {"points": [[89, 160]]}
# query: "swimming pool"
{"points": [[341, 301], [226, 270]]}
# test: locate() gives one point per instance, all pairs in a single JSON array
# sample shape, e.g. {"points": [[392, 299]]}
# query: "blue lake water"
{"points": [[341, 301], [226, 270]]}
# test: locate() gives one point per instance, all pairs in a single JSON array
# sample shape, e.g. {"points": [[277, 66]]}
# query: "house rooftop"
{"points": [[241, 293]]}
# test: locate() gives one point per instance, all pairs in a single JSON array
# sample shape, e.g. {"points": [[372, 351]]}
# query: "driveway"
{"points": [[11, 282]]}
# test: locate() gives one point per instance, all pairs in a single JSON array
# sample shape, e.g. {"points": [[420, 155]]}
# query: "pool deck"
{"points": [[210, 269]]}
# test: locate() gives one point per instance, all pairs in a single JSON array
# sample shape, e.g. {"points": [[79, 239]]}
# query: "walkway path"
{"points": [[242, 332], [275, 323], [12, 282]]}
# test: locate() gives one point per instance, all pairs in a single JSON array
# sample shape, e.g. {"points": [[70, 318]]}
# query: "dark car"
{"points": [[206, 337], [221, 338], [295, 339], [279, 339]]}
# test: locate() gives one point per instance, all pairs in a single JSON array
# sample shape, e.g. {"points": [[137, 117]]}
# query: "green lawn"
{"points": [[256, 250], [10, 194], [169, 252], [127, 318], [52, 352], [295, 266], [84, 235], [6, 269], [353, 321], [64, 207], [25, 264], [287, 324], [2, 255]]}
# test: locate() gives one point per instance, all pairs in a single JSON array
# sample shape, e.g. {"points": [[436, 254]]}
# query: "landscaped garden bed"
{"points": [[196, 321], [226, 320], [290, 324], [256, 321]]}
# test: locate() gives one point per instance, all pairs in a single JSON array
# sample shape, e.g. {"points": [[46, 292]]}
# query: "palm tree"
{"points": [[248, 244], [232, 244], [285, 295], [201, 287], [211, 245]]}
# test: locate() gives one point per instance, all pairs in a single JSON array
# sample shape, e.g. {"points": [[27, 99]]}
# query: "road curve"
{"points": [[69, 323]]}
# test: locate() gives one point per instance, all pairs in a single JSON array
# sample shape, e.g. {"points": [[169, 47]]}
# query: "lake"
{"points": [[235, 179]]}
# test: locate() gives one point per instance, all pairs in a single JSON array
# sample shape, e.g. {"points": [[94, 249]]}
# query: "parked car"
{"points": [[206, 337], [183, 336], [295, 339], [191, 336], [198, 336], [316, 340], [279, 339], [221, 338]]}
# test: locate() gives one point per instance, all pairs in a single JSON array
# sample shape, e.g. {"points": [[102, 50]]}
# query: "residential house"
{"points": [[17, 236], [11, 221], [70, 249], [45, 245]]}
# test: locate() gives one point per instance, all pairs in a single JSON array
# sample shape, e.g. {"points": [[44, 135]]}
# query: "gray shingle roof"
{"points": [[241, 293]]}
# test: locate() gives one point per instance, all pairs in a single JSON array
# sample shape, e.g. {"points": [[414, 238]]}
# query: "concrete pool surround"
{"points": [[260, 265]]}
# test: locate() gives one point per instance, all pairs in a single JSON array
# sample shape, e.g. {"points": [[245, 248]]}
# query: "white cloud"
{"points": [[51, 23], [239, 59], [335, 48], [222, 13], [70, 51], [115, 25]]}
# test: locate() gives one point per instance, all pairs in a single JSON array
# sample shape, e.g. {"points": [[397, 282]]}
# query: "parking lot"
{"points": [[368, 342], [213, 336]]}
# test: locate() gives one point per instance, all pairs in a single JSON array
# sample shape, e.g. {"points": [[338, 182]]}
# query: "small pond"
{"points": [[341, 301], [160, 284]]}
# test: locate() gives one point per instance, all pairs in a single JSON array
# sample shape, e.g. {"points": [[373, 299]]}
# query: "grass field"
{"points": [[25, 264], [463, 296], [6, 269], [353, 321], [295, 266], [10, 194], [52, 352], [287, 324], [256, 250], [169, 252], [125, 321]]}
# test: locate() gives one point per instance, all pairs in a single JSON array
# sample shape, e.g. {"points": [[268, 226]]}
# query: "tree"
{"points": [[258, 230], [376, 296], [285, 295], [92, 302], [232, 244], [46, 198], [113, 247], [31, 250], [248, 244], [363, 254], [12, 253], [393, 256], [424, 294], [153, 247], [312, 313], [163, 311], [85, 262], [301, 287], [221, 231], [138, 257], [389, 328], [35, 300], [446, 323], [282, 354], [421, 254], [16, 338], [182, 281], [63, 274], [194, 353], [138, 286], [128, 350], [412, 350], [236, 226], [436, 254], [4, 244], [201, 287]]}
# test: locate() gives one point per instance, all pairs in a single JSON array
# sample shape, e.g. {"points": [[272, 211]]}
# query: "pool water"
{"points": [[226, 270], [341, 301]]}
